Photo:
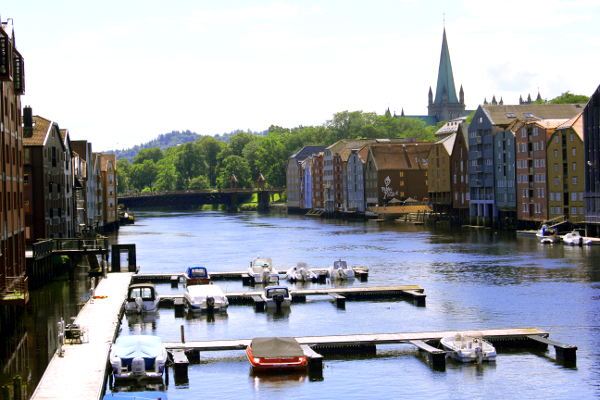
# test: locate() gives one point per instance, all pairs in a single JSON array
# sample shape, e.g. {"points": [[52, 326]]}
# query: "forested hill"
{"points": [[163, 142]]}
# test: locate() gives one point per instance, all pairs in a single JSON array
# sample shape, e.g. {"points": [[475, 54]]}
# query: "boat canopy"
{"points": [[144, 290], [197, 271], [271, 291], [340, 264], [276, 347], [137, 346]]}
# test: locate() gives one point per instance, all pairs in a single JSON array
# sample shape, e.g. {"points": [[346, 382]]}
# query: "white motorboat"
{"points": [[261, 269], [277, 297], [141, 298], [574, 238], [138, 357], [205, 298], [468, 349], [340, 271], [301, 273]]}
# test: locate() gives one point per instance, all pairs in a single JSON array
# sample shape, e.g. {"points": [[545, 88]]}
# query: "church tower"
{"points": [[446, 105]]}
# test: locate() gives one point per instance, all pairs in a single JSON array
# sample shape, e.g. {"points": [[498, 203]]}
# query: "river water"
{"points": [[474, 279]]}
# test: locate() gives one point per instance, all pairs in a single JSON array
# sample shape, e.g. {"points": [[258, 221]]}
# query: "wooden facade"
{"points": [[591, 124], [12, 219]]}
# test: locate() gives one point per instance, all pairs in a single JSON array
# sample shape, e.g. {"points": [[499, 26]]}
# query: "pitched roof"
{"points": [[576, 123], [506, 114], [105, 158], [451, 126], [445, 82], [306, 151], [41, 127], [400, 156], [448, 142]]}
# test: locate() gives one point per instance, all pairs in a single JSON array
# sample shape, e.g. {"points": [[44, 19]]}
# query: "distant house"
{"points": [[316, 172], [395, 172], [70, 206], [486, 122], [505, 191], [295, 175], [565, 164], [108, 170], [591, 129]]}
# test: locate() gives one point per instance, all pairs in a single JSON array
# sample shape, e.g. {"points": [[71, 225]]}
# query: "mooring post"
{"points": [[182, 329], [566, 355], [174, 281], [315, 363], [179, 306]]}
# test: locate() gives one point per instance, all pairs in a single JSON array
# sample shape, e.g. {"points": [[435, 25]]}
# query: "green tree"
{"points": [[143, 175], [234, 165], [199, 182], [570, 98], [210, 148], [239, 141], [154, 154], [123, 171], [189, 162], [167, 177]]}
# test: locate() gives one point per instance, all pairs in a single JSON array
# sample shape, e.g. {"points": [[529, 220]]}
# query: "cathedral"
{"points": [[444, 105]]}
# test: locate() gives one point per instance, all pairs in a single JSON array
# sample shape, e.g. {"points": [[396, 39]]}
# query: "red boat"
{"points": [[276, 354]]}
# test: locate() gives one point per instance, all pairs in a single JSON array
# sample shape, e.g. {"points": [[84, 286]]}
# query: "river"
{"points": [[474, 279]]}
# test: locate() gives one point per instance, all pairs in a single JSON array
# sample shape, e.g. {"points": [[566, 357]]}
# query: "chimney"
{"points": [[27, 122]]}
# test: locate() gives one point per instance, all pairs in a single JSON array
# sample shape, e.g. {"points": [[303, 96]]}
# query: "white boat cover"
{"points": [[205, 290], [138, 346], [276, 347]]}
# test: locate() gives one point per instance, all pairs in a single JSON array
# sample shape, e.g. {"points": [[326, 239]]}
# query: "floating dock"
{"points": [[80, 371], [415, 293], [426, 342]]}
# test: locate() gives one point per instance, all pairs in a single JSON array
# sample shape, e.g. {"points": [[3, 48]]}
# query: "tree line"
{"points": [[210, 163]]}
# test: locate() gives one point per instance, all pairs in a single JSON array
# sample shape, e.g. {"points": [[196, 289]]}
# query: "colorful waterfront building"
{"points": [[13, 282], [316, 171], [70, 205], [487, 121], [505, 191], [296, 175], [591, 135], [355, 180], [45, 187], [396, 172], [531, 141], [447, 168], [108, 171]]}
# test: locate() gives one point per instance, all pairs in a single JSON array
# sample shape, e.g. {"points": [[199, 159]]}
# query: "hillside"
{"points": [[163, 141]]}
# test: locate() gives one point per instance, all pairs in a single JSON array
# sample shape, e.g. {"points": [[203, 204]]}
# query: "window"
{"points": [[571, 137], [574, 151], [574, 166], [574, 180], [574, 196]]}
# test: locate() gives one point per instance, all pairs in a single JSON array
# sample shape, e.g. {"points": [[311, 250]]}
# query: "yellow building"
{"points": [[566, 171]]}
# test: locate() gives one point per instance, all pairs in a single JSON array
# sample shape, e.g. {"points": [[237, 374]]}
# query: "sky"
{"points": [[119, 73]]}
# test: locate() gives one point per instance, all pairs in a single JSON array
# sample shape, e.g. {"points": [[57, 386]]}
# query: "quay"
{"points": [[80, 370], [426, 342], [415, 293]]}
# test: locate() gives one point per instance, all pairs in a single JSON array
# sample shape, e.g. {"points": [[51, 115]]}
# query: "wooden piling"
{"points": [[315, 363], [179, 305], [435, 357], [174, 281], [180, 366], [259, 303], [340, 301], [565, 354]]}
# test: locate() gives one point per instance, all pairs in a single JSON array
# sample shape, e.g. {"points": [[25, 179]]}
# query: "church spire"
{"points": [[445, 82]]}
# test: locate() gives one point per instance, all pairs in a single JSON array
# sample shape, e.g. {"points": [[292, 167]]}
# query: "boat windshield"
{"points": [[340, 264], [198, 272], [276, 291], [146, 293]]}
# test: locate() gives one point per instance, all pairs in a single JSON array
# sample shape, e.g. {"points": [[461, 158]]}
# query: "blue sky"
{"points": [[119, 73]]}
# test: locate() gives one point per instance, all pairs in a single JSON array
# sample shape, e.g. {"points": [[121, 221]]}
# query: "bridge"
{"points": [[193, 198]]}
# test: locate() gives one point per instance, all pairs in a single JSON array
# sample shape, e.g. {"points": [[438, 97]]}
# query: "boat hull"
{"points": [[469, 350], [274, 365]]}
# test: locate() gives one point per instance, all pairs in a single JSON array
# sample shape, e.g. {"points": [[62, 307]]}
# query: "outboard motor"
{"points": [[278, 299], [138, 366], [210, 304], [139, 305]]}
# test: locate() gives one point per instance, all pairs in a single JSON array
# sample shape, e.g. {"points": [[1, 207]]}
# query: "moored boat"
{"points": [[141, 298], [276, 354], [261, 270], [340, 271], [301, 273], [205, 298], [138, 357], [574, 238], [468, 349], [197, 275], [277, 297]]}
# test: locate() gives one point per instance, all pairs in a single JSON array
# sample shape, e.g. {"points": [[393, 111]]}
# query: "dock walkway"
{"points": [[80, 373]]}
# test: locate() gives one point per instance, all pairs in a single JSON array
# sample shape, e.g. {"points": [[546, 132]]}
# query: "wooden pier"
{"points": [[414, 293], [426, 342], [80, 371]]}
